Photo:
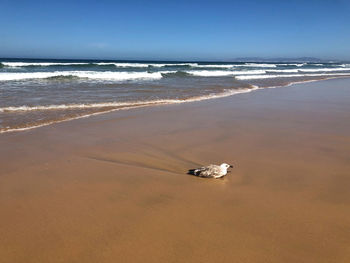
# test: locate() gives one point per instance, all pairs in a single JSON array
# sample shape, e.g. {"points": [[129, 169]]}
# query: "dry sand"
{"points": [[114, 188]]}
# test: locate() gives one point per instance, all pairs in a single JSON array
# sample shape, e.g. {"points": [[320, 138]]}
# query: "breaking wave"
{"points": [[293, 64], [153, 64], [249, 77], [97, 75], [260, 65], [146, 75], [308, 70], [115, 64], [219, 73], [41, 64]]}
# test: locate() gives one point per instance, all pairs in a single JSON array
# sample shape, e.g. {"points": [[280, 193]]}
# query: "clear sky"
{"points": [[175, 30]]}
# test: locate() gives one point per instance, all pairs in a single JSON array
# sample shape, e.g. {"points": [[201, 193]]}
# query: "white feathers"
{"points": [[211, 171]]}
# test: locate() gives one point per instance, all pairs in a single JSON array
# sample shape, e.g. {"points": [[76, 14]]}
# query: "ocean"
{"points": [[34, 93]]}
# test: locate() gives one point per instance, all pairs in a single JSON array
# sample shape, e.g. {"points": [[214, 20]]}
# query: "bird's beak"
{"points": [[231, 166]]}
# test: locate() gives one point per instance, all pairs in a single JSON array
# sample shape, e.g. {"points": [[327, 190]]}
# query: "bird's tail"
{"points": [[193, 171]]}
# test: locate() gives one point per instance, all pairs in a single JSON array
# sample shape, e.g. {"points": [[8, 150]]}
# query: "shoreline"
{"points": [[143, 104], [114, 186], [167, 102]]}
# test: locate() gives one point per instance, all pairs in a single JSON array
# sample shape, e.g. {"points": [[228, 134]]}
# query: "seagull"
{"points": [[211, 171]]}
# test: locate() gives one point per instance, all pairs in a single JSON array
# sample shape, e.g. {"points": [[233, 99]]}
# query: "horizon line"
{"points": [[235, 60]]}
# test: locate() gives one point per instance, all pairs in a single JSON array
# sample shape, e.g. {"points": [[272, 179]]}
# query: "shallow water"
{"points": [[40, 92]]}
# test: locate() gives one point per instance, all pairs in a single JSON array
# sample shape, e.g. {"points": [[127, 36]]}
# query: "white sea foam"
{"points": [[290, 76], [292, 64], [105, 75], [260, 65], [66, 106], [43, 64], [323, 69], [116, 105], [218, 73], [129, 105], [308, 70], [125, 76], [283, 70], [117, 76], [215, 66], [123, 104], [210, 73], [174, 65], [146, 65], [158, 65], [121, 64]]}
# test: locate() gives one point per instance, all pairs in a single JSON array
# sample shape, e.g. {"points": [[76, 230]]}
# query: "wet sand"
{"points": [[114, 188]]}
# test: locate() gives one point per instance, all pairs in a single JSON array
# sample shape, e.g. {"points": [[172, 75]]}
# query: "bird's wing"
{"points": [[209, 171]]}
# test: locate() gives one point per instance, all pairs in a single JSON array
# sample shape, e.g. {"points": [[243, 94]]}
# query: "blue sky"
{"points": [[175, 30]]}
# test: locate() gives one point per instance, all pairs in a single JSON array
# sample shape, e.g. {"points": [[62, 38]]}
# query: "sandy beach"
{"points": [[114, 188]]}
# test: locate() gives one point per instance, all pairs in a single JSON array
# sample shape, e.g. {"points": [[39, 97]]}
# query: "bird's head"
{"points": [[226, 166]]}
